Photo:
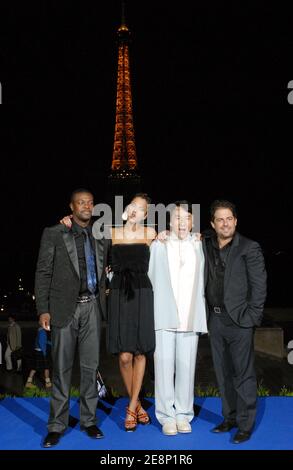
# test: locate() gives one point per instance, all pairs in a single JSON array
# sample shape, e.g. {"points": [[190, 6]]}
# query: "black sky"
{"points": [[210, 111]]}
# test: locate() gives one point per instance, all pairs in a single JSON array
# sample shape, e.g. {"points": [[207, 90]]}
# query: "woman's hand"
{"points": [[109, 273], [66, 221], [162, 236], [197, 236]]}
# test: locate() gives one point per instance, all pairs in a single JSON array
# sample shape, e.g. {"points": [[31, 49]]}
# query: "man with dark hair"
{"points": [[69, 288], [235, 280], [77, 192], [222, 204]]}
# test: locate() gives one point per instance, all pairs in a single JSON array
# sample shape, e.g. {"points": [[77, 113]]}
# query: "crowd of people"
{"points": [[36, 360]]}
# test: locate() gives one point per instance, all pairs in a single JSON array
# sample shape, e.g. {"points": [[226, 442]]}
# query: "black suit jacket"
{"points": [[244, 281], [57, 280]]}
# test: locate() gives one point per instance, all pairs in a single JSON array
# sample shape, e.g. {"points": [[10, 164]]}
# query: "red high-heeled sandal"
{"points": [[130, 420], [142, 416]]}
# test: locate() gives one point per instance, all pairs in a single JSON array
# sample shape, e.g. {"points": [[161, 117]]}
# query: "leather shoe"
{"points": [[225, 426], [93, 432], [241, 436], [52, 439]]}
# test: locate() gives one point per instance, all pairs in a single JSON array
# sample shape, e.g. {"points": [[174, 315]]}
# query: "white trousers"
{"points": [[174, 360], [8, 359]]}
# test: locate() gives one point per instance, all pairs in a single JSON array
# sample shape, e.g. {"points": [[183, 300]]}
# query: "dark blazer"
{"points": [[244, 281], [57, 280]]}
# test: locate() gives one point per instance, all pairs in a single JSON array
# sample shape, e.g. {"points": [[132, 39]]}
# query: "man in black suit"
{"points": [[235, 294], [70, 297]]}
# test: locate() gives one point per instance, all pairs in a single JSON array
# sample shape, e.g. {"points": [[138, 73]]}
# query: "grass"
{"points": [[36, 392], [114, 393], [285, 392], [209, 391], [262, 391]]}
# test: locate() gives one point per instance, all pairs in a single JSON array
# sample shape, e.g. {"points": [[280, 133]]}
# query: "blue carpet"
{"points": [[23, 426]]}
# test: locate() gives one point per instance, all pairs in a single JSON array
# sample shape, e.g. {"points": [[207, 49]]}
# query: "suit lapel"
{"points": [[169, 273], [206, 265], [168, 264], [71, 248], [99, 246], [231, 258], [72, 252]]}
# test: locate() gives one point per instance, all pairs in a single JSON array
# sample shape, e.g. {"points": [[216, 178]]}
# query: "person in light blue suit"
{"points": [[176, 271]]}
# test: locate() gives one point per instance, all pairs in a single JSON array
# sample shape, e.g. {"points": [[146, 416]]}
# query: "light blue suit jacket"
{"points": [[165, 308]]}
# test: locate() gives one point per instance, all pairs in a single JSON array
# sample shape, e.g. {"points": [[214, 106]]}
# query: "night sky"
{"points": [[211, 114]]}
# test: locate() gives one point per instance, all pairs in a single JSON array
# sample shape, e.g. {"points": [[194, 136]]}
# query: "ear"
{"points": [[212, 224], [71, 206]]}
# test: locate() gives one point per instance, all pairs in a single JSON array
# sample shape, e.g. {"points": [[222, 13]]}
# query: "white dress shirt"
{"points": [[182, 268]]}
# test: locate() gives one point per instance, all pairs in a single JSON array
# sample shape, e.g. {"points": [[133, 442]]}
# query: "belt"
{"points": [[83, 299], [217, 309]]}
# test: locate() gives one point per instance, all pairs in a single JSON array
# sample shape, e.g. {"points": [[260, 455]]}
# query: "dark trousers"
{"points": [[83, 329], [233, 357]]}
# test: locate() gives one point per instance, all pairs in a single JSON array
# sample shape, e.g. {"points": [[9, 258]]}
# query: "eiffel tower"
{"points": [[124, 178]]}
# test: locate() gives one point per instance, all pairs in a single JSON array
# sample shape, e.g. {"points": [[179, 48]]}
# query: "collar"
{"points": [[173, 237], [216, 244], [78, 229]]}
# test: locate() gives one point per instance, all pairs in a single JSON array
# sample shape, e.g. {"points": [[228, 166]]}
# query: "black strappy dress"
{"points": [[130, 303]]}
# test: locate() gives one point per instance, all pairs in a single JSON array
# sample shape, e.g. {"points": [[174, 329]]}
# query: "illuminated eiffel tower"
{"points": [[124, 177]]}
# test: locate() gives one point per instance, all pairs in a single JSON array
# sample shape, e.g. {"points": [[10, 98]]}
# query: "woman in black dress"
{"points": [[131, 332]]}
